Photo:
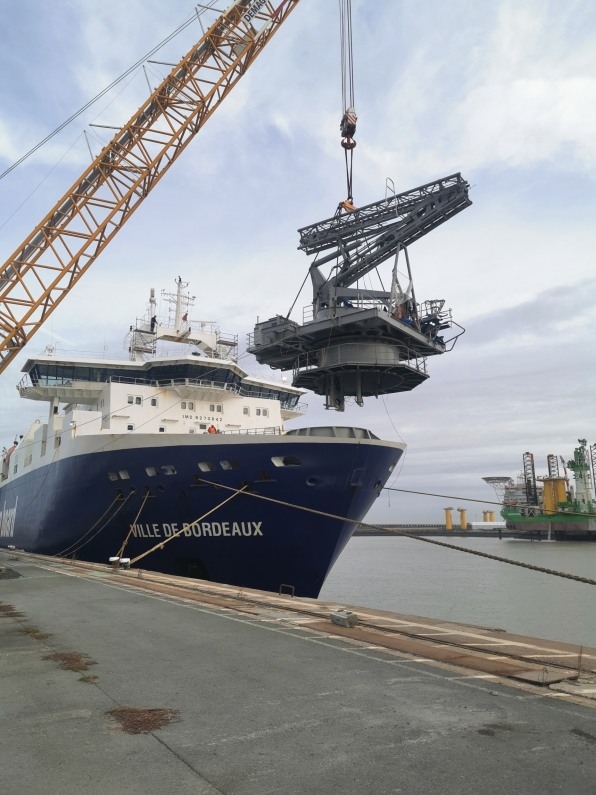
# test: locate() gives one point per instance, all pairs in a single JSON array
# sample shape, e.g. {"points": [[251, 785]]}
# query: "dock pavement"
{"points": [[128, 682]]}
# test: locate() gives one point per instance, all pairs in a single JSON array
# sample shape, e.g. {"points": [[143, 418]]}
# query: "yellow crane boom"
{"points": [[61, 248]]}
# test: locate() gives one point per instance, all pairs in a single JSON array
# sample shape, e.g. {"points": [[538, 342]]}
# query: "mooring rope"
{"points": [[434, 541], [77, 545], [162, 544], [136, 519]]}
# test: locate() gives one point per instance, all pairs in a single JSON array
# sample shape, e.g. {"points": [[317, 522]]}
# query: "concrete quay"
{"points": [[264, 694]]}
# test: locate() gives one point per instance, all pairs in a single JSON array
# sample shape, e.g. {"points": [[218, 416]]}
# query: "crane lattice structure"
{"points": [[44, 268]]}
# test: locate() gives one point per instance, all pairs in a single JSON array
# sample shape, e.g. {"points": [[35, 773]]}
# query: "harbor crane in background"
{"points": [[47, 265]]}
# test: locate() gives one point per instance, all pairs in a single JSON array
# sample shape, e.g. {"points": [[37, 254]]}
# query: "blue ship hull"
{"points": [[84, 506]]}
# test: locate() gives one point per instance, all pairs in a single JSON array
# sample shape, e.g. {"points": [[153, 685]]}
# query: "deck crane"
{"points": [[361, 342], [357, 341], [45, 267]]}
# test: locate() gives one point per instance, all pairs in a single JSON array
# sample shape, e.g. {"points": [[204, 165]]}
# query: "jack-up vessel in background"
{"points": [[548, 506]]}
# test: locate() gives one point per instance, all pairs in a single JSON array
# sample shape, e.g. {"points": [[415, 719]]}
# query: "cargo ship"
{"points": [[179, 461], [549, 506]]}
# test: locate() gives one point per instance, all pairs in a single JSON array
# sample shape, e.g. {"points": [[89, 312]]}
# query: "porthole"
{"points": [[206, 466], [312, 481], [285, 461]]}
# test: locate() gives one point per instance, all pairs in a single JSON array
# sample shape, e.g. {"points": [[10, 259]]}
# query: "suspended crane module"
{"points": [[361, 342]]}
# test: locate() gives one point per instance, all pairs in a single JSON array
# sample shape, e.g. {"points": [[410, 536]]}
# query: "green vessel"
{"points": [[550, 506]]}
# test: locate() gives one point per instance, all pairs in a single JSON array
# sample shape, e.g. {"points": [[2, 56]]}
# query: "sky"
{"points": [[503, 91]]}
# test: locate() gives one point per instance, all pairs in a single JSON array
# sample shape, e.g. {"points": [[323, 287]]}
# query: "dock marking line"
{"points": [[320, 641], [224, 612]]}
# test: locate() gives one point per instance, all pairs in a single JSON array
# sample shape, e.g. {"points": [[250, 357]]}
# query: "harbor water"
{"points": [[409, 576]]}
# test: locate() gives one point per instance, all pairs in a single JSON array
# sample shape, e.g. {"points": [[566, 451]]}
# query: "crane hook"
{"points": [[347, 128]]}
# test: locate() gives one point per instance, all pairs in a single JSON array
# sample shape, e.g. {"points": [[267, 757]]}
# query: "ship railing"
{"points": [[287, 401], [299, 408], [308, 312], [530, 510], [431, 317], [352, 353], [273, 430]]}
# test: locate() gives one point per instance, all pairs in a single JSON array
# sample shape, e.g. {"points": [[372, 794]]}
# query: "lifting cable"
{"points": [[426, 540], [348, 121]]}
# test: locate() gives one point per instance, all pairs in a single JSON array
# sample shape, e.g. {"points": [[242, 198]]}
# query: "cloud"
{"points": [[503, 92], [506, 89]]}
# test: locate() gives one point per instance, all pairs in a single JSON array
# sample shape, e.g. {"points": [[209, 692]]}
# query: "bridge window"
{"points": [[206, 466]]}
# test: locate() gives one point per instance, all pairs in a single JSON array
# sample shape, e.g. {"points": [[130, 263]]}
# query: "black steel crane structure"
{"points": [[362, 342]]}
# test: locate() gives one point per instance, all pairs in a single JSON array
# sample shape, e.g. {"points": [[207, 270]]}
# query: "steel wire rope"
{"points": [[104, 91], [162, 544], [395, 475], [486, 502], [434, 541], [40, 183], [60, 159], [446, 496], [347, 77], [302, 285]]}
